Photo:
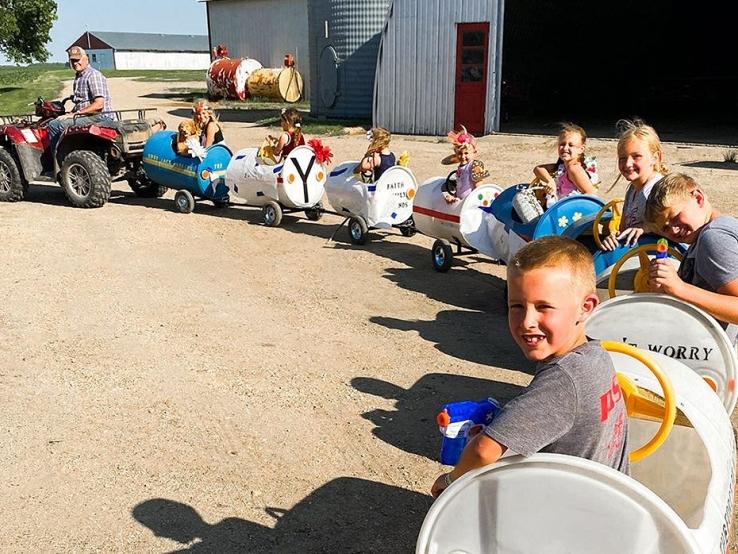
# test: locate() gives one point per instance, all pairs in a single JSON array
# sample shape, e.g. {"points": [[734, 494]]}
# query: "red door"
{"points": [[472, 51]]}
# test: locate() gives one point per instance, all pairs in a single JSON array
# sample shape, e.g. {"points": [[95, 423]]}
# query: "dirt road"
{"points": [[208, 384]]}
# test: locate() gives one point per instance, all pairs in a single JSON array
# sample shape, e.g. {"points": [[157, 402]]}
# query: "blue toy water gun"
{"points": [[456, 419], [662, 249]]}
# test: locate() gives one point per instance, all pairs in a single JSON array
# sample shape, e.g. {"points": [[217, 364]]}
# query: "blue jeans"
{"points": [[57, 126]]}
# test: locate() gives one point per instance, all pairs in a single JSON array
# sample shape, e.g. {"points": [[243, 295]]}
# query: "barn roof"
{"points": [[143, 42]]}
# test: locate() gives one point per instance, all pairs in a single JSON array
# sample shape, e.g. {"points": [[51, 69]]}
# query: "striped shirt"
{"points": [[88, 85]]}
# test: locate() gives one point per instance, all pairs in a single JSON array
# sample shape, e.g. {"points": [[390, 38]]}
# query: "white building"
{"points": [[110, 50]]}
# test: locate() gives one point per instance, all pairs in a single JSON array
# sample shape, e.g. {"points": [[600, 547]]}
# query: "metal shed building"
{"points": [[344, 43], [111, 50], [439, 66], [264, 30]]}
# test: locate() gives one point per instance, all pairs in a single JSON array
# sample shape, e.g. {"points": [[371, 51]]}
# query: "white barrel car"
{"points": [[386, 203], [461, 224], [296, 184], [678, 499]]}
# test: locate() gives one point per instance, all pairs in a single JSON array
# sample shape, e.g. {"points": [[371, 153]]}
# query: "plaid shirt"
{"points": [[88, 85]]}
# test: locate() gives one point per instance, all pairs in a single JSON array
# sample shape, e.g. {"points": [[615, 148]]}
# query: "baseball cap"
{"points": [[76, 52]]}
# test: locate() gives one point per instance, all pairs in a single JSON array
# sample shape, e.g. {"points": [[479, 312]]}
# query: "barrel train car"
{"points": [[193, 178], [678, 498], [294, 185], [383, 204]]}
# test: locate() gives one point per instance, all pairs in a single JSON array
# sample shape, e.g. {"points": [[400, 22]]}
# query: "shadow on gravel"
{"points": [[728, 166], [463, 286], [411, 426], [264, 118], [344, 515], [53, 195], [479, 337], [46, 193]]}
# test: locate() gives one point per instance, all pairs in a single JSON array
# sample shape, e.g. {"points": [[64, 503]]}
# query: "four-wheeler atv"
{"points": [[87, 158]]}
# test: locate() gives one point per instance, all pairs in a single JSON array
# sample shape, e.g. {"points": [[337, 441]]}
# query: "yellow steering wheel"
{"points": [[639, 406], [640, 281], [614, 225]]}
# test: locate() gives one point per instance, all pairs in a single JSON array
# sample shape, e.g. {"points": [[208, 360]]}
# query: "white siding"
{"points": [[264, 30], [414, 91], [161, 60]]}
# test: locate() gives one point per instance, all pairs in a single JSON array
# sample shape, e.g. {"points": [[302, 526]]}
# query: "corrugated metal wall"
{"points": [[352, 28], [414, 90], [264, 30], [161, 60]]}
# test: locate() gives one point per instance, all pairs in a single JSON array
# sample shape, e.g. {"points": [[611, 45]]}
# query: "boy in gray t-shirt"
{"points": [[574, 404], [708, 275]]}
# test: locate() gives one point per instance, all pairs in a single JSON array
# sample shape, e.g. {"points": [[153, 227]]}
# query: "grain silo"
{"points": [[344, 44]]}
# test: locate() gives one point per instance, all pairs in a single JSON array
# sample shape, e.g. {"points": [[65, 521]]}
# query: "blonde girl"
{"points": [[378, 157], [569, 174], [641, 162], [207, 124]]}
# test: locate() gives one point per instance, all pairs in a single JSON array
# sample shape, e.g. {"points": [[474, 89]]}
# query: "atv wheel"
{"points": [[85, 179], [12, 187], [146, 188]]}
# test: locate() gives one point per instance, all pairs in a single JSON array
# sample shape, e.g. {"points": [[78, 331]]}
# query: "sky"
{"points": [[171, 17]]}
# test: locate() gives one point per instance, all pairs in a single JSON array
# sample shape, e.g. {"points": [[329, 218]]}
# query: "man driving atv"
{"points": [[90, 96]]}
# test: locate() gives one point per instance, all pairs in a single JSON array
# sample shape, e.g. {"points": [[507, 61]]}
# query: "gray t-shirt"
{"points": [[712, 260], [634, 205], [572, 406]]}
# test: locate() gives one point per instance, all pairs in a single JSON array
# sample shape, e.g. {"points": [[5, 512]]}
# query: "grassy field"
{"points": [[20, 86], [157, 75]]}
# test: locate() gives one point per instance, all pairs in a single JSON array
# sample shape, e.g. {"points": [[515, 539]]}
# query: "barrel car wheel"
{"points": [[146, 188], [314, 213], [407, 230], [184, 201], [442, 255], [272, 214], [358, 230]]}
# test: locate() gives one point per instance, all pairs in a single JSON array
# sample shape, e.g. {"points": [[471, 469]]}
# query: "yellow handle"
{"points": [[635, 404], [641, 279], [614, 223]]}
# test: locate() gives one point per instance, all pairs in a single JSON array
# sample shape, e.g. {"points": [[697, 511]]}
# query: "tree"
{"points": [[24, 29]]}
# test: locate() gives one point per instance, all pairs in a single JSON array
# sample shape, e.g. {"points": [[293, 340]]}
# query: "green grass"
{"points": [[312, 125], [157, 74], [263, 104], [20, 86]]}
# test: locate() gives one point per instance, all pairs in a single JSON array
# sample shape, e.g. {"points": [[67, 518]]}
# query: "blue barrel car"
{"points": [[192, 177], [571, 216]]}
